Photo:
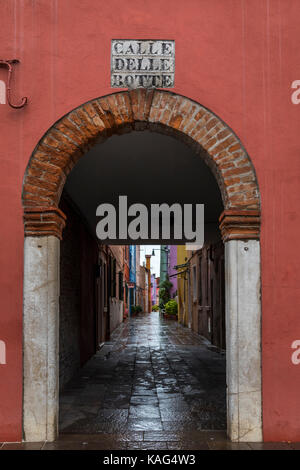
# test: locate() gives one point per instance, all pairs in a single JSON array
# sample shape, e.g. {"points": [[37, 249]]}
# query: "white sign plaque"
{"points": [[142, 63]]}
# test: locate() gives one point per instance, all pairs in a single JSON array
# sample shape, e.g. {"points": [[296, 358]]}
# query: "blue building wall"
{"points": [[132, 275]]}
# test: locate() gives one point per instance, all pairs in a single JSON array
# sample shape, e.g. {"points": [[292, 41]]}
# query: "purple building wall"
{"points": [[171, 270], [153, 289]]}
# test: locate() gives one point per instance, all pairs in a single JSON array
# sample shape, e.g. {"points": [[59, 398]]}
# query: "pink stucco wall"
{"points": [[238, 58]]}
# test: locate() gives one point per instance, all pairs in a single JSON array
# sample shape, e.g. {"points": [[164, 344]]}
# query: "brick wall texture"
{"points": [[71, 137]]}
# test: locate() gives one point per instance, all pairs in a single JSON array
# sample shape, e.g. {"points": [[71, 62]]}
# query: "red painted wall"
{"points": [[236, 57]]}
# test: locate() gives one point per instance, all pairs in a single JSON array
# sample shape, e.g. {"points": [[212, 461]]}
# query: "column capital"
{"points": [[236, 224], [43, 221]]}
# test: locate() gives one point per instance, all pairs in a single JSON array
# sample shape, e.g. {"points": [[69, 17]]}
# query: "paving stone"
{"points": [[144, 424], [163, 436], [106, 445], [143, 400], [130, 436], [144, 411], [191, 445], [147, 445], [22, 446], [153, 376], [176, 425], [178, 417], [176, 445], [144, 391], [226, 445], [84, 438], [112, 414], [64, 445], [270, 446]]}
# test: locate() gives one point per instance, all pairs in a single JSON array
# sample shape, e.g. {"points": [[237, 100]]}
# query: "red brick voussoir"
{"points": [[162, 111]]}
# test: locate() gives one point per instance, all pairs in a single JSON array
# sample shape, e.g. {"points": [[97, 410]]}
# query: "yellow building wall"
{"points": [[182, 286]]}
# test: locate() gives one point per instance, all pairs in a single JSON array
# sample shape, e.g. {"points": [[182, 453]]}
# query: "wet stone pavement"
{"points": [[155, 386], [154, 376], [154, 382]]}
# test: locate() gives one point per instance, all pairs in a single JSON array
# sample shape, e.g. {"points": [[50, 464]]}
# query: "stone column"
{"points": [[41, 324], [240, 232], [41, 338]]}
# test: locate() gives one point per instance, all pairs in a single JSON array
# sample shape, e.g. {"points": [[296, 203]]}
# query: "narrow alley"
{"points": [[155, 386], [154, 378]]}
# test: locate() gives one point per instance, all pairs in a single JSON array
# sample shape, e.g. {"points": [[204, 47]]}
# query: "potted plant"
{"points": [[132, 310], [171, 310], [136, 309], [164, 294]]}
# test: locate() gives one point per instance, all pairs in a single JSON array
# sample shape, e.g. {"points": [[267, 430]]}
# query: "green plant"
{"points": [[164, 292], [155, 308], [136, 309], [132, 308], [171, 307]]}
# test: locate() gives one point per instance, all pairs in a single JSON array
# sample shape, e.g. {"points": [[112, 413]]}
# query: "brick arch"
{"points": [[74, 134], [52, 160]]}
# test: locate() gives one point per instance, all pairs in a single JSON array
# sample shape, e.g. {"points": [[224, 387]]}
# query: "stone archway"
{"points": [[54, 157]]}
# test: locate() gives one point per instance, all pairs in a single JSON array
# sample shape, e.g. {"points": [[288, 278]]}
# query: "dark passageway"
{"points": [[154, 378]]}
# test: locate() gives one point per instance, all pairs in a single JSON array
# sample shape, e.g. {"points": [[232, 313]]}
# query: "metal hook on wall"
{"points": [[9, 65]]}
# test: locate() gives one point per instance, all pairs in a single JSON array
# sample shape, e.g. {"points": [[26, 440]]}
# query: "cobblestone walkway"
{"points": [[155, 382], [155, 385], [153, 376]]}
